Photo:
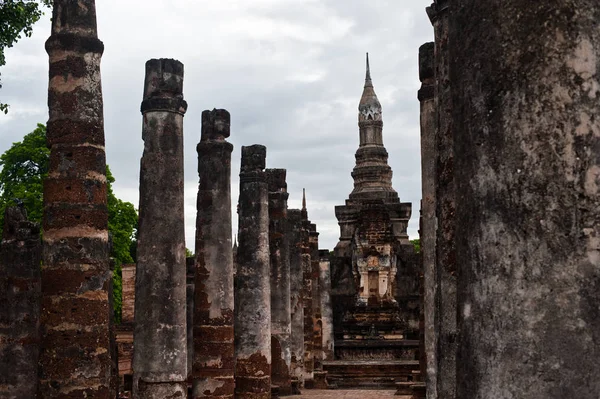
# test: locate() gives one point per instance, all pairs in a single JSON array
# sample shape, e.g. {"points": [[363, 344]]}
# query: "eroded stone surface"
{"points": [[280, 281], [75, 316], [252, 282], [445, 207], [526, 144], [160, 343], [295, 236], [427, 229], [213, 366], [20, 256]]}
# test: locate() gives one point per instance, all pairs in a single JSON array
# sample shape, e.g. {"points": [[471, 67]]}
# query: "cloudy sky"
{"points": [[290, 72]]}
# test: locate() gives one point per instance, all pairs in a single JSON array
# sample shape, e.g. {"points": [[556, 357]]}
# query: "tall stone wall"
{"points": [[252, 283], [75, 316], [525, 85], [160, 343], [213, 370], [20, 256]]}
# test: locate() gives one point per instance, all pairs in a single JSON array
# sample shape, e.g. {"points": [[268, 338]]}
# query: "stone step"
{"points": [[369, 373]]}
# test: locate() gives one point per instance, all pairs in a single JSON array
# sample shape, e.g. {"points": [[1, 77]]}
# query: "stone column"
{"points": [[214, 362], [190, 289], [252, 283], [428, 220], [160, 342], [313, 239], [75, 315], [280, 282], [296, 306], [20, 256], [445, 199], [307, 302], [326, 307], [525, 84]]}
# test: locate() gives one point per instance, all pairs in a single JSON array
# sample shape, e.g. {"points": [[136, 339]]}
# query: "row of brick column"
{"points": [[70, 296]]}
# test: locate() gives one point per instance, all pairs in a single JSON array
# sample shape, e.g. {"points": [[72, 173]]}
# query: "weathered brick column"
{"points": [[318, 373], [428, 202], [252, 282], [307, 300], [525, 85], [160, 345], [280, 282], [190, 289], [125, 329], [326, 307], [294, 232], [75, 316], [445, 199], [214, 362], [20, 256]]}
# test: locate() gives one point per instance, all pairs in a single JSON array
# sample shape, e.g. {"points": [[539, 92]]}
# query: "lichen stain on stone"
{"points": [[592, 180], [208, 387], [587, 125], [585, 63]]}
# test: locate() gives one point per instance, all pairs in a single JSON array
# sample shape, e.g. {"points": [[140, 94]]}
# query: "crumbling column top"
{"points": [[426, 71], [216, 125], [276, 180], [426, 61], [74, 17], [253, 158], [163, 86], [74, 28], [436, 9]]}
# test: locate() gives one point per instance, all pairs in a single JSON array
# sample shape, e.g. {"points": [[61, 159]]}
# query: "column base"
{"points": [[320, 380]]}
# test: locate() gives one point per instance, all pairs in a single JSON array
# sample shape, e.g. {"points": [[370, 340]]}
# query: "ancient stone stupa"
{"points": [[374, 270]]}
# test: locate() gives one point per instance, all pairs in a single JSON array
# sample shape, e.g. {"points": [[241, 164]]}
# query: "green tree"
{"points": [[417, 244], [16, 19], [24, 168]]}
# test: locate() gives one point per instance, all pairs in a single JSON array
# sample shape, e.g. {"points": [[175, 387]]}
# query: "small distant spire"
{"points": [[304, 212], [368, 81], [303, 199]]}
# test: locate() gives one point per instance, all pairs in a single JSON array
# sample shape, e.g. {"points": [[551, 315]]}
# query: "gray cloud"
{"points": [[289, 71]]}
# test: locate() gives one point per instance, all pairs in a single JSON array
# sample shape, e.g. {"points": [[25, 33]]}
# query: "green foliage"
{"points": [[188, 253], [24, 168], [417, 244], [16, 19], [122, 224]]}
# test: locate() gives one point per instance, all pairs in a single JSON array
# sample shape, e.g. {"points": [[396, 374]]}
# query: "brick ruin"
{"points": [[501, 301]]}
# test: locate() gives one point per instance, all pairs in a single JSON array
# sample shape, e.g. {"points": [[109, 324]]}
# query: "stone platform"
{"points": [[369, 374]]}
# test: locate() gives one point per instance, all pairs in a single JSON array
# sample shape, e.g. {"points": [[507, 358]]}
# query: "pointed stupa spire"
{"points": [[368, 81], [303, 211], [369, 107]]}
